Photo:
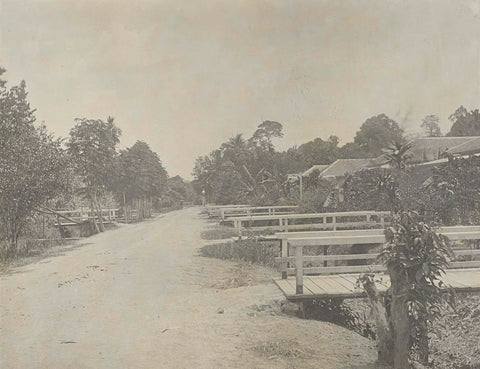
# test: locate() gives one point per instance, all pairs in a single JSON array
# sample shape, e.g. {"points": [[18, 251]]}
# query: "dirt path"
{"points": [[139, 297]]}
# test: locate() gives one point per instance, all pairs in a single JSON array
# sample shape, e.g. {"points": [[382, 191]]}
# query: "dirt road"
{"points": [[139, 297]]}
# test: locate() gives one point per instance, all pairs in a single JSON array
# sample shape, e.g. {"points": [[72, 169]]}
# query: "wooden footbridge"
{"points": [[81, 215], [327, 276], [227, 211], [334, 273], [314, 221]]}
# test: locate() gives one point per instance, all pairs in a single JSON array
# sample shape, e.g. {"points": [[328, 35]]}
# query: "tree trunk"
{"points": [[423, 343], [98, 210], [400, 320], [92, 208], [125, 210], [384, 331]]}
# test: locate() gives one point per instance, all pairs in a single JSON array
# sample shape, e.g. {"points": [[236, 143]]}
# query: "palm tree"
{"points": [[398, 154], [236, 150]]}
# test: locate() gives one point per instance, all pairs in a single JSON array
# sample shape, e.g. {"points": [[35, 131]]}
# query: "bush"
{"points": [[248, 250], [219, 233]]}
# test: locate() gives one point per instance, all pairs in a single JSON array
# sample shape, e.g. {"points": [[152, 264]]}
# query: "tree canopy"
{"points": [[465, 123], [377, 133], [430, 125], [33, 165], [141, 173]]}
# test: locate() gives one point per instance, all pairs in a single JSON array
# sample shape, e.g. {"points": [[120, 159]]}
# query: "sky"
{"points": [[184, 76]]}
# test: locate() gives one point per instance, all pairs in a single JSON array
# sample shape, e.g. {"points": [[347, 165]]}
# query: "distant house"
{"points": [[470, 147], [337, 172], [430, 149], [434, 148], [341, 168], [425, 153], [318, 168]]}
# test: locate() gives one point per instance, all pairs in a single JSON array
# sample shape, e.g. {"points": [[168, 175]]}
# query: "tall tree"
{"points": [[430, 125], [33, 166], [92, 147], [377, 133], [319, 151], [465, 123], [266, 131], [142, 177]]}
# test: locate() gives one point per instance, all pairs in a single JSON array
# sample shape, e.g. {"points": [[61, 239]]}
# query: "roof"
{"points": [[319, 168], [431, 148], [471, 146], [343, 167], [379, 160]]}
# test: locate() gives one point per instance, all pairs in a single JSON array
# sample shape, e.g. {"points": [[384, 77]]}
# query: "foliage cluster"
{"points": [[447, 194], [465, 123], [32, 164], [39, 173], [416, 257], [252, 171]]}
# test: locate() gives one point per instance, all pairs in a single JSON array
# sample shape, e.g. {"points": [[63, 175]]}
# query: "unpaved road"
{"points": [[139, 297]]}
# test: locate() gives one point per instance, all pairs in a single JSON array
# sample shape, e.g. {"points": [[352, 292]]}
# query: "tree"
{"points": [[415, 257], [92, 147], [142, 177], [377, 133], [178, 191], [237, 150], [266, 131], [352, 150], [33, 165], [430, 125], [465, 123], [243, 170], [452, 195], [319, 151], [398, 154], [2, 81]]}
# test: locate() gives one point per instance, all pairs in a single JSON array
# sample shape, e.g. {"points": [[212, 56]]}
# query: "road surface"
{"points": [[140, 297]]}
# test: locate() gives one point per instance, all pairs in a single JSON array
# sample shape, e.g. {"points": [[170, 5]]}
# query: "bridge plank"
{"points": [[344, 285], [334, 285], [316, 288], [351, 286], [285, 286], [309, 288]]}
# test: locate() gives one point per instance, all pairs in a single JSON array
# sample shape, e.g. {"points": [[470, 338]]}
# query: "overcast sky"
{"points": [[185, 76]]}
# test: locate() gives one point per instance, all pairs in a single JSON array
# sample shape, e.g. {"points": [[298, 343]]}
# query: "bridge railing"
{"points": [[325, 239], [311, 221]]}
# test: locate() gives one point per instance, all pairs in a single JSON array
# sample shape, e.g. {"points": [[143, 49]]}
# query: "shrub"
{"points": [[248, 250]]}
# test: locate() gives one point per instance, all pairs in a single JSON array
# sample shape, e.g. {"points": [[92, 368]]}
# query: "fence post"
{"points": [[238, 226], [284, 252], [299, 269]]}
